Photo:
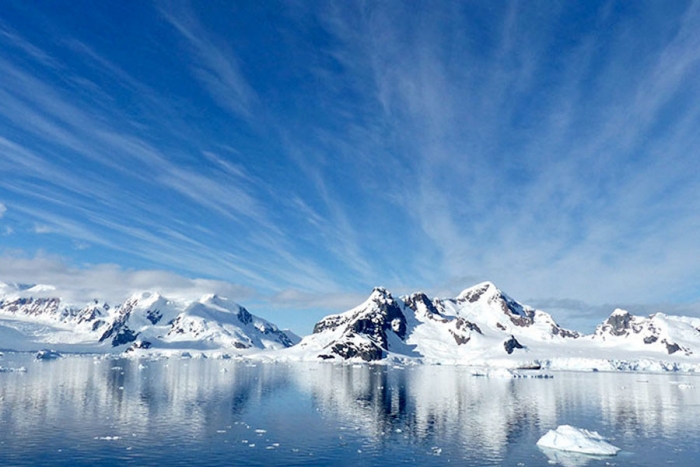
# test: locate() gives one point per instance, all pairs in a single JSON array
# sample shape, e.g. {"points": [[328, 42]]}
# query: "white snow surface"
{"points": [[482, 327], [572, 439], [145, 322], [476, 327]]}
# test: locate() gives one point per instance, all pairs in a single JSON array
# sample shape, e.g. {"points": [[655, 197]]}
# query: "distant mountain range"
{"points": [[481, 326], [144, 321]]}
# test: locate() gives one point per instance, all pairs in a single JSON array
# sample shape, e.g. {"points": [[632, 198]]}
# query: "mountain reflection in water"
{"points": [[83, 411]]}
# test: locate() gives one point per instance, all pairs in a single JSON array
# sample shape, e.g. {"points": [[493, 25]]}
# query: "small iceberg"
{"points": [[572, 439], [47, 355]]}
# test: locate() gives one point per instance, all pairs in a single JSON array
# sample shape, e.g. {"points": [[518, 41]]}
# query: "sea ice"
{"points": [[572, 439]]}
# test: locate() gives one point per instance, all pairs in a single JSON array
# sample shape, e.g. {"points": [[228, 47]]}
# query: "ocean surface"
{"points": [[83, 410]]}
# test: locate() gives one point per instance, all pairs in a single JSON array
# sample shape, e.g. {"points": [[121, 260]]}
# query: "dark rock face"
{"points": [[89, 314], [671, 347], [461, 323], [619, 324], [118, 330], [557, 331], [512, 344], [270, 330], [474, 295], [244, 316], [420, 298], [518, 315], [650, 339], [366, 351], [124, 336], [459, 338], [375, 325], [139, 345], [154, 316], [328, 324], [37, 307], [382, 316]]}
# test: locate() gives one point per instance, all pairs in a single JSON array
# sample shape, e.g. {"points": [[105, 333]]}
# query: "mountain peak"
{"points": [[380, 293], [474, 293]]}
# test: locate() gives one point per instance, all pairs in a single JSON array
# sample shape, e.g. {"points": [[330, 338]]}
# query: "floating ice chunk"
{"points": [[260, 432], [571, 439], [46, 354], [492, 372]]}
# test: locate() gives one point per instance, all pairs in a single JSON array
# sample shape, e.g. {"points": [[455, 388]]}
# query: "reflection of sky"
{"points": [[176, 410], [490, 415]]}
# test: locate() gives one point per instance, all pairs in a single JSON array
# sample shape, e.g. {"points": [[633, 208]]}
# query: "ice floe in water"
{"points": [[508, 373], [571, 439], [46, 354]]}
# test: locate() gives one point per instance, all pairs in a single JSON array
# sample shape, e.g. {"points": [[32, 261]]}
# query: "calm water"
{"points": [[81, 411]]}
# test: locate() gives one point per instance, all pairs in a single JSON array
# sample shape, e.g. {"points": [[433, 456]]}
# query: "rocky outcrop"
{"points": [[364, 331], [511, 344]]}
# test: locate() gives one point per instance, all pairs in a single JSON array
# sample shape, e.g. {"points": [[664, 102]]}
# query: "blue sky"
{"points": [[293, 155]]}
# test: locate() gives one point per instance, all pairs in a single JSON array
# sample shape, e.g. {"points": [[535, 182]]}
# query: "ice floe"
{"points": [[572, 439], [48, 355]]}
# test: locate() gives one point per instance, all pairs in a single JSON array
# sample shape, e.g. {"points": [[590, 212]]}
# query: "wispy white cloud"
{"points": [[216, 65], [428, 150], [3, 210], [109, 282], [573, 194]]}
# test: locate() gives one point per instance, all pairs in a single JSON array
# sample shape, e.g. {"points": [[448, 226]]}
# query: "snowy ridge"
{"points": [[485, 327], [481, 327], [480, 324], [146, 320]]}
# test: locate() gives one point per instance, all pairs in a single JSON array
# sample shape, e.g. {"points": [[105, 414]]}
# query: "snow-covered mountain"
{"points": [[30, 317], [484, 326], [481, 322], [659, 332]]}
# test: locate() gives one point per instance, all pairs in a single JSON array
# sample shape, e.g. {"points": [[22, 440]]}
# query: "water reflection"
{"points": [[494, 416], [208, 410]]}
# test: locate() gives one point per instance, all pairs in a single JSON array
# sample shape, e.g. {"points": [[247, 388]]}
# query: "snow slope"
{"points": [[483, 326], [146, 320]]}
